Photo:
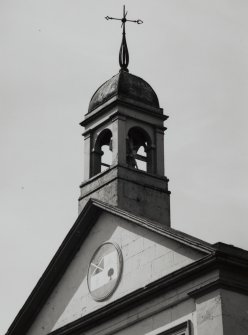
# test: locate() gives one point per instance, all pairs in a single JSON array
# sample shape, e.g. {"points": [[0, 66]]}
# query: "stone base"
{"points": [[135, 191]]}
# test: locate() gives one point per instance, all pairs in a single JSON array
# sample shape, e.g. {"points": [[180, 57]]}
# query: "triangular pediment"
{"points": [[145, 254]]}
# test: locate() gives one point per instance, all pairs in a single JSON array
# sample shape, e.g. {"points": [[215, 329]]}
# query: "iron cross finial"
{"points": [[123, 54]]}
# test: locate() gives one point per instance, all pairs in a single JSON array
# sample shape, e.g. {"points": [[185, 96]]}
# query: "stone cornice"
{"points": [[153, 290]]}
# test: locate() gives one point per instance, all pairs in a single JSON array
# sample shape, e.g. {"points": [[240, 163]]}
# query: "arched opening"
{"points": [[138, 150], [102, 153]]}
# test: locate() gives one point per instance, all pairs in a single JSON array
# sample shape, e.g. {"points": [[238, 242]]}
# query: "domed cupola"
{"points": [[124, 85]]}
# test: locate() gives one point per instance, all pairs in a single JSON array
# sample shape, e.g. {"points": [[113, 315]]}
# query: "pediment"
{"points": [[148, 253]]}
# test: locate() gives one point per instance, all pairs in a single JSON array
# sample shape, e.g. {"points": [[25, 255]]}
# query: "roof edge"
{"points": [[153, 226]]}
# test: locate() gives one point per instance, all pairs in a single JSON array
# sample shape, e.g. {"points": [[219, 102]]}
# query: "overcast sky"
{"points": [[54, 55]]}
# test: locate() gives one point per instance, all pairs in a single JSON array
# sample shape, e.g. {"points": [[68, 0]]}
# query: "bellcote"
{"points": [[124, 148], [125, 126]]}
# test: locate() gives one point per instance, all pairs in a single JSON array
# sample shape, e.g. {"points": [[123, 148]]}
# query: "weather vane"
{"points": [[123, 54]]}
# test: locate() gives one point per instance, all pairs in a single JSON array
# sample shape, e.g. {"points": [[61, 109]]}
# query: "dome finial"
{"points": [[123, 54]]}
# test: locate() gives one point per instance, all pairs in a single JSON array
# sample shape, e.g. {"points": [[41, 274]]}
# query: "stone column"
{"points": [[159, 152], [87, 145], [119, 140]]}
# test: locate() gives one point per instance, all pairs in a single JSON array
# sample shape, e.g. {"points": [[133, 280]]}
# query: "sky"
{"points": [[54, 55]]}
